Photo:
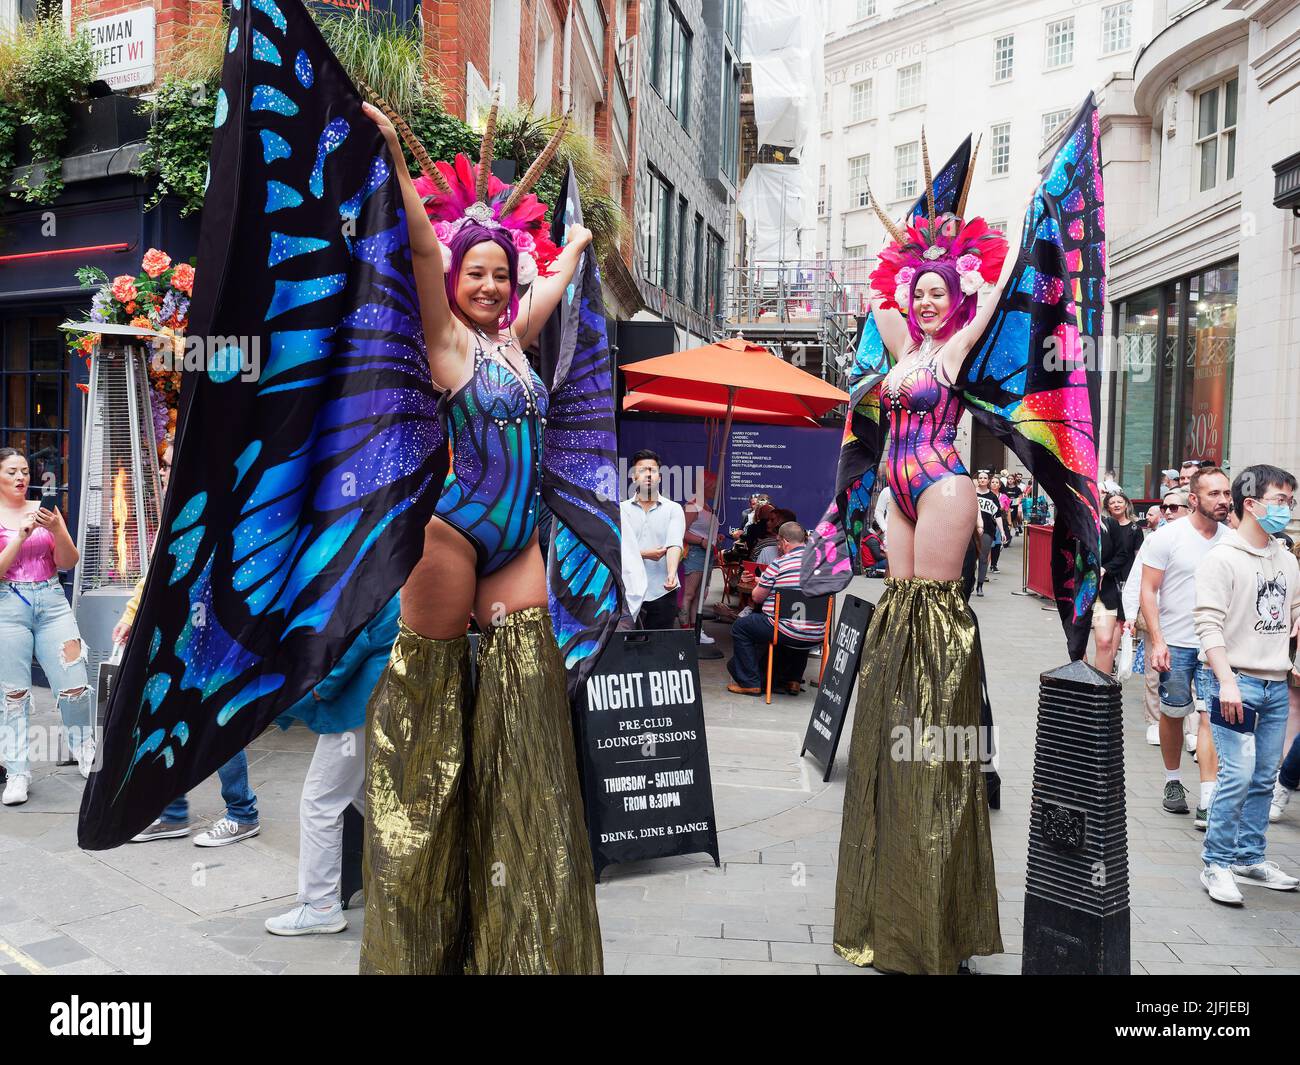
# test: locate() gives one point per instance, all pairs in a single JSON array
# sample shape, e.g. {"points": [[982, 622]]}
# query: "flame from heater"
{"points": [[119, 517]]}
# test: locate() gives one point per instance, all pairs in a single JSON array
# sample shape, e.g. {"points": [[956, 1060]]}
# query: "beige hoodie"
{"points": [[1247, 600]]}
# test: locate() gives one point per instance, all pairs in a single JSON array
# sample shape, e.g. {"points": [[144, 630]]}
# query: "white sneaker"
{"points": [[1281, 796], [225, 832], [85, 756], [705, 638], [1190, 742], [1153, 735], [16, 790], [307, 920], [1265, 874], [1218, 882]]}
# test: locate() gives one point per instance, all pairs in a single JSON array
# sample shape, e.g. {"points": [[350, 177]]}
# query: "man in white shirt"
{"points": [[1169, 559], [655, 525], [1173, 507]]}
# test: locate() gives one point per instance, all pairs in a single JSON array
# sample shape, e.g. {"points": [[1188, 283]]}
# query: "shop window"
{"points": [[1209, 346], [35, 398]]}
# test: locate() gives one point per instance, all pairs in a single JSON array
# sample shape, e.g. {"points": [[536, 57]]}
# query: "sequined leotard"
{"points": [[494, 428], [923, 415]]}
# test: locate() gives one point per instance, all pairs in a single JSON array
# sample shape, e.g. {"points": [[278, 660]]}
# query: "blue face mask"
{"points": [[1275, 519]]}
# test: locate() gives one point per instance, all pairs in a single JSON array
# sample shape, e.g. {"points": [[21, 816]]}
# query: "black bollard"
{"points": [[1076, 887]]}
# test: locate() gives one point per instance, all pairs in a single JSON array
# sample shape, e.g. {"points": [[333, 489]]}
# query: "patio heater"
{"points": [[121, 494]]}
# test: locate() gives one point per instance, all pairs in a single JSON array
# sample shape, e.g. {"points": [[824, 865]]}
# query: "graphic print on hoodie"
{"points": [[1270, 604]]}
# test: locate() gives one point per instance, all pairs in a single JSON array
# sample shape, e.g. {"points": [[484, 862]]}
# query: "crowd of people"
{"points": [[1208, 585]]}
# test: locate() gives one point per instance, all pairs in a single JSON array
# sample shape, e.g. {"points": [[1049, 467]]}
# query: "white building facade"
{"points": [[1201, 142], [1007, 71]]}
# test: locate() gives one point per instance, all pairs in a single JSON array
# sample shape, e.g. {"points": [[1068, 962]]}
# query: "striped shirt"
{"points": [[784, 573]]}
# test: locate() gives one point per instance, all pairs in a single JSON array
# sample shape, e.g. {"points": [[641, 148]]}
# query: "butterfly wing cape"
{"points": [[1033, 379], [301, 486], [829, 563], [580, 463]]}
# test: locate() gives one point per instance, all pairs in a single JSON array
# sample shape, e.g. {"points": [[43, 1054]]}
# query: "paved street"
{"points": [[168, 907]]}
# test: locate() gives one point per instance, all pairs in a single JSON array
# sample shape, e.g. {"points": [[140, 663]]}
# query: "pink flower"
{"points": [[124, 290], [524, 241], [443, 231], [967, 263], [155, 262], [904, 276], [183, 278]]}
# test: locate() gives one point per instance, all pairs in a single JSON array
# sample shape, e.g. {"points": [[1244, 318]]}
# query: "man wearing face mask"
{"points": [[1247, 612]]}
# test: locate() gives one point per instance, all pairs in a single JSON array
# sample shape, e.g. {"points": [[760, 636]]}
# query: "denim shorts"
{"points": [[695, 560], [1176, 686]]}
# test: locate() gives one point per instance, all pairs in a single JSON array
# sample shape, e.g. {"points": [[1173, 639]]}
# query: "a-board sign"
{"points": [[645, 761], [832, 705]]}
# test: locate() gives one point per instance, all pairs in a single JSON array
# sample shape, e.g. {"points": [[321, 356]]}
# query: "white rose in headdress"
{"points": [[971, 281], [527, 272], [446, 257], [902, 294]]}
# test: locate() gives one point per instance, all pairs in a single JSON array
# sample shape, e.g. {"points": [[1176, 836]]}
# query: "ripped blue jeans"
{"points": [[35, 618]]}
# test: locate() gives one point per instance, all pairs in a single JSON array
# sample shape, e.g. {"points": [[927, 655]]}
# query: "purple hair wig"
{"points": [[470, 234], [963, 309]]}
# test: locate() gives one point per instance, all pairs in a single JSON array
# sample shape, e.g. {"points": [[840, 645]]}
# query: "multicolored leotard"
{"points": [[923, 414], [494, 428]]}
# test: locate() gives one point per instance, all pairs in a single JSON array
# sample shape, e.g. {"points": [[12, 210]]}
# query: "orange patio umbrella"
{"points": [[733, 378]]}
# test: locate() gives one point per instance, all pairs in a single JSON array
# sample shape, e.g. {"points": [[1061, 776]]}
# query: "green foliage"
{"points": [[43, 71], [522, 135], [385, 53], [176, 149], [442, 134]]}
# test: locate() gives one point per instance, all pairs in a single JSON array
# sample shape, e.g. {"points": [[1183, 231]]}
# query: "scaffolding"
{"points": [[802, 309]]}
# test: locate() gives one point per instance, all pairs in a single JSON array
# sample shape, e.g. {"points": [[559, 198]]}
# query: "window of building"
{"points": [[713, 267], [730, 117], [1052, 120], [909, 85], [697, 273], [859, 167], [1000, 226], [731, 21], [1060, 43], [860, 100], [826, 110], [677, 57], [866, 9], [1000, 149], [821, 189], [651, 34], [1004, 57], [1216, 133], [1117, 27], [855, 251], [657, 230], [905, 161], [683, 249], [543, 61]]}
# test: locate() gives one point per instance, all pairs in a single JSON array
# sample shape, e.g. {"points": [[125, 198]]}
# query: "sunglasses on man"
{"points": [[1169, 508]]}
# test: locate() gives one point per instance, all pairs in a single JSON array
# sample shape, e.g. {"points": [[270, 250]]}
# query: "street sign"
{"points": [[124, 47], [645, 761], [832, 705]]}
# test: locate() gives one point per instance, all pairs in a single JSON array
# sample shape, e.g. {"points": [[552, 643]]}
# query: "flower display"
{"points": [[158, 299]]}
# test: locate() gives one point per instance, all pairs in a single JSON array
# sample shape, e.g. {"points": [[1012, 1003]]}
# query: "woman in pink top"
{"points": [[35, 618]]}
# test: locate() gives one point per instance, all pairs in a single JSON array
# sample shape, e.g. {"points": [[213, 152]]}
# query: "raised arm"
{"points": [[959, 346], [543, 295], [444, 336]]}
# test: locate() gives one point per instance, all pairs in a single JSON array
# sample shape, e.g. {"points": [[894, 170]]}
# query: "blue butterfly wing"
{"points": [[579, 465], [310, 454]]}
